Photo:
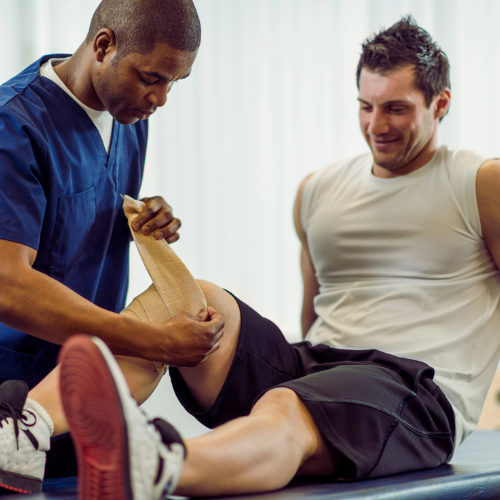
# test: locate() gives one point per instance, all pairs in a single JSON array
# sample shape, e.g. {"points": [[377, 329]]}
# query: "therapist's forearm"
{"points": [[38, 305], [41, 306]]}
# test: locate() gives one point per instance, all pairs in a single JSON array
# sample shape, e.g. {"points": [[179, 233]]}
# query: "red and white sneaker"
{"points": [[121, 456]]}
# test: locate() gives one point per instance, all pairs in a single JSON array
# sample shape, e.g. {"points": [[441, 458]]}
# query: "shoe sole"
{"points": [[93, 408], [10, 481]]}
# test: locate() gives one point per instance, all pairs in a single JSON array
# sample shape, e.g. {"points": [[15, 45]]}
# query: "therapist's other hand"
{"points": [[188, 340], [157, 217]]}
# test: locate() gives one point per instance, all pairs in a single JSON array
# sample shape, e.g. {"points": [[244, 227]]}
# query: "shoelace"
{"points": [[7, 411]]}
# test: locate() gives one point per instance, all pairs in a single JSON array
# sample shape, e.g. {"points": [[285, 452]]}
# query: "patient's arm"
{"points": [[488, 203], [310, 283]]}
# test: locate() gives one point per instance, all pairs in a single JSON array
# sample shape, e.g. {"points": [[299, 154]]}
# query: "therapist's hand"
{"points": [[157, 218], [187, 340]]}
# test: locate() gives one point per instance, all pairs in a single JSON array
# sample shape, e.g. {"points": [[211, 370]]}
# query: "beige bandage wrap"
{"points": [[173, 290]]}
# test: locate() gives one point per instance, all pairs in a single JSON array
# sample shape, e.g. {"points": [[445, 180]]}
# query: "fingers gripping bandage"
{"points": [[173, 290]]}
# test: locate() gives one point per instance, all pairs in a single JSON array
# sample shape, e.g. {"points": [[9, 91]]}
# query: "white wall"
{"points": [[272, 98]]}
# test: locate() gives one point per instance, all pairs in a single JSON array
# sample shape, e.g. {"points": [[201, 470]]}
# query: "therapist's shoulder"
{"points": [[18, 110], [23, 110], [23, 137], [16, 121], [19, 86]]}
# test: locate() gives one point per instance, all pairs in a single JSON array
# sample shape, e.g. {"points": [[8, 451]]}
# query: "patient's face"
{"points": [[394, 118]]}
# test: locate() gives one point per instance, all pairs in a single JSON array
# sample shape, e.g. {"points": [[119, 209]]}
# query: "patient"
{"points": [[400, 250]]}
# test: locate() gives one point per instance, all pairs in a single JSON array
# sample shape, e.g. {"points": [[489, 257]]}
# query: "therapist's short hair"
{"points": [[406, 44], [139, 25]]}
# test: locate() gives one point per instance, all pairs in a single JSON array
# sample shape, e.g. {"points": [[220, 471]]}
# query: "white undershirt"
{"points": [[102, 119]]}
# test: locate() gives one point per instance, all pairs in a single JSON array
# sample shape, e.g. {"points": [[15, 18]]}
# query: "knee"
{"points": [[211, 291], [215, 295], [281, 402], [284, 411], [222, 301]]}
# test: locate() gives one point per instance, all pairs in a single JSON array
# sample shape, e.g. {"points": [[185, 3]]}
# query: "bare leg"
{"points": [[47, 394], [141, 375], [206, 380], [260, 452]]}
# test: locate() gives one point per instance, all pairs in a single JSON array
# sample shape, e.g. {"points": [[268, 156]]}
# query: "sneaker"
{"points": [[24, 439], [120, 455]]}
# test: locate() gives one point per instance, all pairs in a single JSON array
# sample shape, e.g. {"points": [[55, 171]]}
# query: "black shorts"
{"points": [[383, 413]]}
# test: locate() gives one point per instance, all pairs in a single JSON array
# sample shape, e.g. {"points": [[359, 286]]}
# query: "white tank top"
{"points": [[402, 268]]}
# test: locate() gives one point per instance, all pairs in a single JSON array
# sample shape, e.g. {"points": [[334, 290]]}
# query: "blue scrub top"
{"points": [[60, 194]]}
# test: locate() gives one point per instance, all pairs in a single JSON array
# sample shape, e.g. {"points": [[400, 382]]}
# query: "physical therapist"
{"points": [[73, 134]]}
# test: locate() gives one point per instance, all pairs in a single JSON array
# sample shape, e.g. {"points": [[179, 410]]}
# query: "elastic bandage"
{"points": [[173, 290]]}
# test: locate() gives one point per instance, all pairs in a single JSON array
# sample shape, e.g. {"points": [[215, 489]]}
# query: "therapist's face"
{"points": [[132, 87]]}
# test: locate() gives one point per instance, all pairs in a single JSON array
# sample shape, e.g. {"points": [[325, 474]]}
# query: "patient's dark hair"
{"points": [[139, 25], [406, 44]]}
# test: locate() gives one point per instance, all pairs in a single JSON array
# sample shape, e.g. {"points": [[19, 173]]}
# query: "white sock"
{"points": [[44, 426]]}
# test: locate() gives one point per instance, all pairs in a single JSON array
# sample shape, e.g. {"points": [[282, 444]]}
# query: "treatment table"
{"points": [[474, 473]]}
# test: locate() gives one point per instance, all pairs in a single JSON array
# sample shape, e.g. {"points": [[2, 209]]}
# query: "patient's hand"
{"points": [[158, 218], [187, 340]]}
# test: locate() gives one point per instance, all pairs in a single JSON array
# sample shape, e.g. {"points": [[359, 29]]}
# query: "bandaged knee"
{"points": [[173, 290]]}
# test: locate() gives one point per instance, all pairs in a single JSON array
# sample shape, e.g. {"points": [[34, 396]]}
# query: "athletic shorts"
{"points": [[384, 414]]}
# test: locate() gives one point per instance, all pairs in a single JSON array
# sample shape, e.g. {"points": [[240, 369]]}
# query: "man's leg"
{"points": [[141, 375], [206, 380], [323, 404], [260, 452]]}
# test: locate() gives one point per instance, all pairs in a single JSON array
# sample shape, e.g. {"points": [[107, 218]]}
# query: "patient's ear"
{"points": [[442, 103]]}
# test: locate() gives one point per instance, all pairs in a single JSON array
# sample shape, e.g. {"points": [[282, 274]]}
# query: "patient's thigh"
{"points": [[206, 380]]}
